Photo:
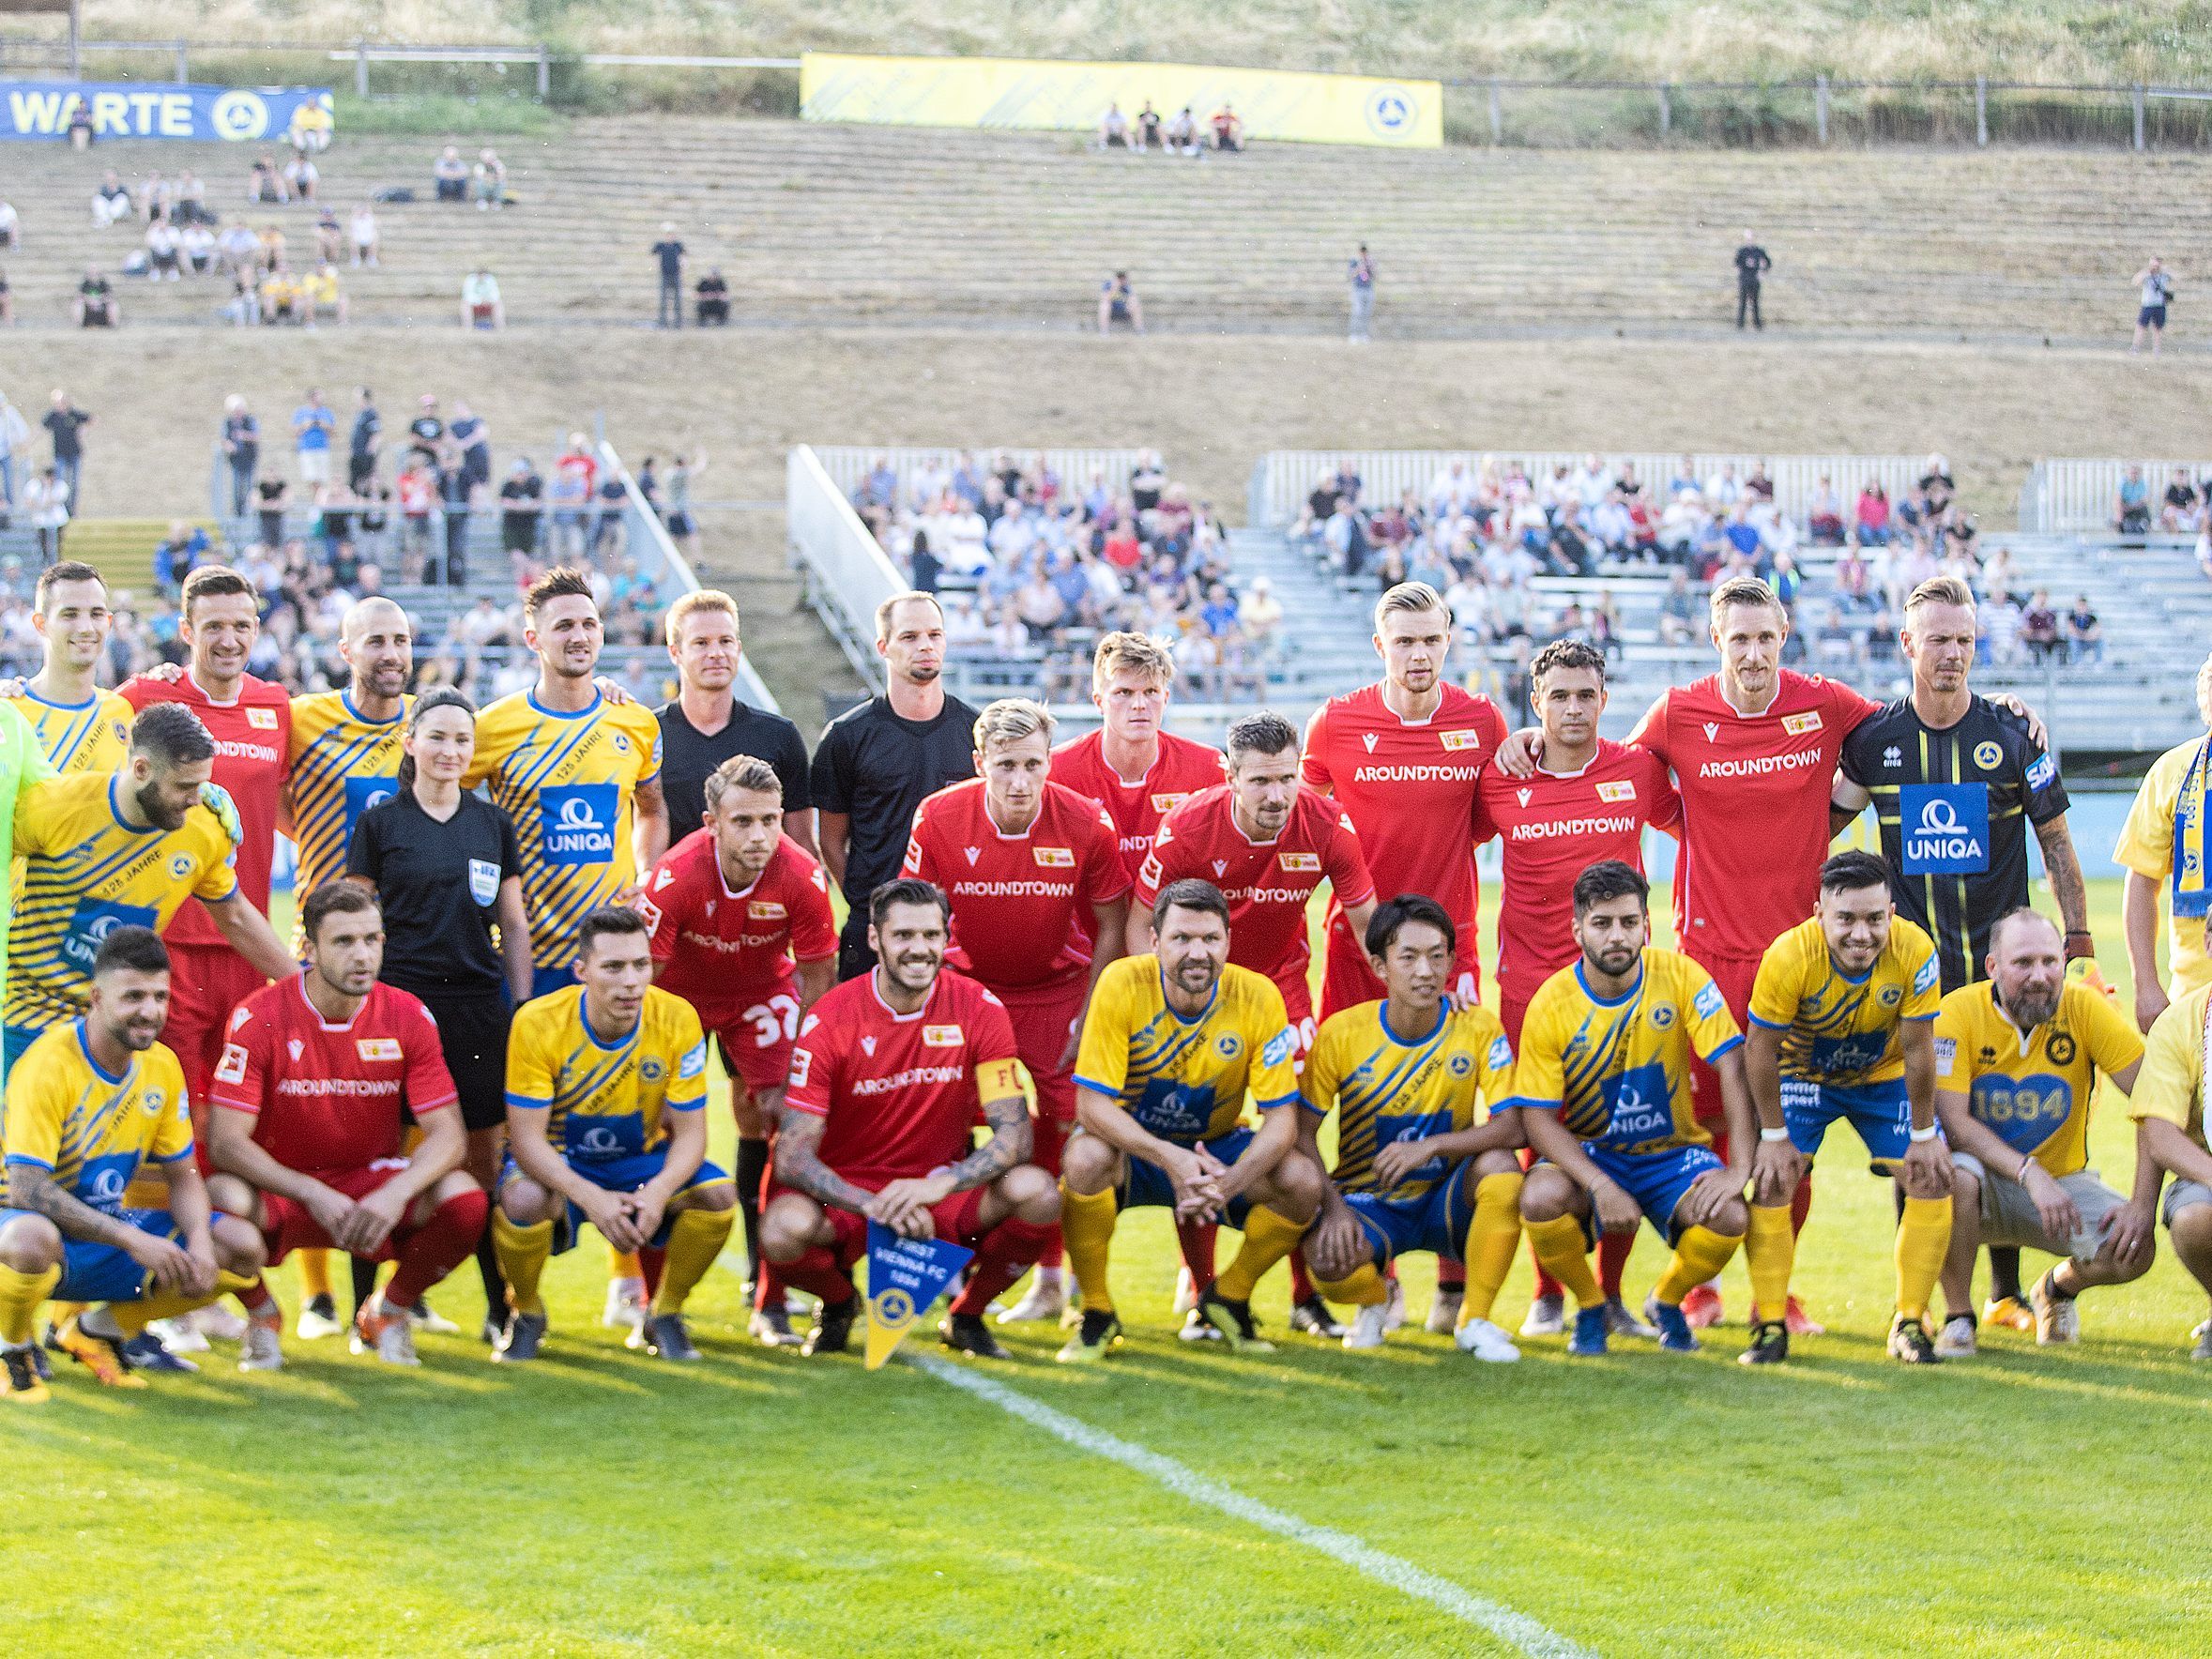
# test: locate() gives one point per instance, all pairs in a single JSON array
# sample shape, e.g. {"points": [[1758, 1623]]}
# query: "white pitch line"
{"points": [[1517, 1629]]}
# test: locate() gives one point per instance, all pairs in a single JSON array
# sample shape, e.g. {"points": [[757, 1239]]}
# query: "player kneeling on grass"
{"points": [[888, 1077], [2016, 1061], [2168, 1106], [1840, 1017], [321, 1074], [1603, 1084], [91, 1100], [1415, 1171], [1171, 1042], [606, 1090]]}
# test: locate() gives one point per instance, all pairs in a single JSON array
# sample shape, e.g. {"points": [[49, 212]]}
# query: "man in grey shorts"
{"points": [[2018, 1057], [2168, 1106]]}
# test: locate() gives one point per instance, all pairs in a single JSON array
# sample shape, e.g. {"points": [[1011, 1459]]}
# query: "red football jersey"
{"points": [[1409, 789], [1552, 828], [325, 1096], [1754, 792], [1021, 903], [1179, 771], [252, 736], [727, 948], [900, 1090], [1267, 883]]}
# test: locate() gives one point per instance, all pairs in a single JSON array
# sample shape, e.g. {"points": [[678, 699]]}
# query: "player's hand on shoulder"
{"points": [[2011, 704], [1517, 755], [169, 674], [613, 691], [13, 686], [217, 799]]}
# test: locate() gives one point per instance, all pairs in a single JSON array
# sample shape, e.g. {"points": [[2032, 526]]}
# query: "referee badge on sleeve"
{"points": [[483, 881]]}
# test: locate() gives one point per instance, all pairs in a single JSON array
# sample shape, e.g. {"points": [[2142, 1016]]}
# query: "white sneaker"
{"points": [[625, 1304], [318, 1320], [2058, 1318], [1394, 1311], [1444, 1312], [1956, 1340], [1047, 1297], [1485, 1341], [1186, 1290], [424, 1317], [178, 1337], [394, 1335], [1548, 1317], [219, 1322], [1367, 1326], [263, 1348]]}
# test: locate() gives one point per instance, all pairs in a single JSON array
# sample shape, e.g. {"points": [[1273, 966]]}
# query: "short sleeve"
{"points": [[1538, 1078], [813, 924], [240, 1078], [791, 769], [648, 765], [1314, 767], [1495, 1071], [1924, 994], [1848, 708], [492, 746], [1852, 762], [172, 1133], [1651, 731], [37, 819], [829, 780], [1102, 1058], [1106, 878], [1713, 1030], [993, 1038], [2172, 1066], [36, 1106], [430, 1086], [1954, 1046], [2046, 790], [1778, 988], [1346, 865], [531, 1079], [814, 1068], [364, 853], [218, 879], [2146, 840], [919, 861], [511, 846], [1316, 1085], [1272, 1075], [661, 903], [2114, 1043], [687, 1079]]}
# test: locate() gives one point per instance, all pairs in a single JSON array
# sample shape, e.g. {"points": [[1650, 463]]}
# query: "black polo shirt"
{"points": [[439, 885], [877, 769], [688, 754]]}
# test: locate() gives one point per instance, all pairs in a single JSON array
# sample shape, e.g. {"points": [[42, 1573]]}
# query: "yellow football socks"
{"points": [[1770, 1251], [133, 1316], [1492, 1236], [20, 1297], [1699, 1256], [1363, 1287], [1564, 1254], [1087, 1228], [522, 1251], [314, 1272], [1268, 1238], [694, 1239], [624, 1264], [1923, 1237]]}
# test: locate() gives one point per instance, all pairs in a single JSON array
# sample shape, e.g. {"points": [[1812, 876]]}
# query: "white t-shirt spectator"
{"points": [[964, 543], [1451, 488], [1592, 484]]}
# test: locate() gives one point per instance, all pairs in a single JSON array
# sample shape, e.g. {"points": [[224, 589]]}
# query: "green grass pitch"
{"points": [[2026, 1502]]}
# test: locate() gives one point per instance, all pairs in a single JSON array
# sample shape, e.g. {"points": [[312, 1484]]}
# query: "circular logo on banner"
{"points": [[1390, 111], [239, 117], [893, 1306], [1986, 755]]}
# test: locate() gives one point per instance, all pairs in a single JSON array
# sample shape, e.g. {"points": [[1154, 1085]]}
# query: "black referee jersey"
{"points": [[1954, 806]]}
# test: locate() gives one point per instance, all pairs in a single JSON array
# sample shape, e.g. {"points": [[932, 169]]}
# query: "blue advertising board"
{"points": [[135, 109]]}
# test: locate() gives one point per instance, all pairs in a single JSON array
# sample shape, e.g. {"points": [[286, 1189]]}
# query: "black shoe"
{"points": [[1909, 1340], [1097, 1334], [1314, 1318], [833, 1328], [665, 1336], [1770, 1343], [967, 1333], [525, 1333], [1234, 1320], [39, 1363], [771, 1328]]}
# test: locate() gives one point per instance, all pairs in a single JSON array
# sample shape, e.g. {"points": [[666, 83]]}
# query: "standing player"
{"points": [[1840, 1016], [1602, 1079], [2163, 844], [606, 1090], [732, 910], [888, 1079], [1039, 904], [322, 1076], [877, 762], [80, 727], [1588, 800], [705, 723]]}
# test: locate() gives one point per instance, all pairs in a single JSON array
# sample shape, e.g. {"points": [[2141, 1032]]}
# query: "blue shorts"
{"points": [[1148, 1184], [2151, 316], [1436, 1221], [1657, 1180], [619, 1175], [91, 1272], [1881, 1112]]}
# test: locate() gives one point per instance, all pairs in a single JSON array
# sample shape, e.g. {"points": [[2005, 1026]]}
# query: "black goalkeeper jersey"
{"points": [[1954, 807]]}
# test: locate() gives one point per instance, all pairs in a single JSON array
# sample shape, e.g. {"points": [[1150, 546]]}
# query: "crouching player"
{"points": [[1841, 1018], [1172, 1041], [2168, 1106], [1603, 1084], [1415, 1171], [606, 1091], [888, 1075], [91, 1100], [320, 1075]]}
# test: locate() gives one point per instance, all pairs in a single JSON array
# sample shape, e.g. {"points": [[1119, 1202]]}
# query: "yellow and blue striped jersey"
{"points": [[606, 1099], [1387, 1088], [1184, 1080], [92, 1128], [340, 765], [93, 736], [1840, 1030], [87, 873], [1617, 1071], [2033, 1087], [569, 782]]}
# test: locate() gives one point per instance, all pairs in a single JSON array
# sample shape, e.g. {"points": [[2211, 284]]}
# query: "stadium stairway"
{"points": [[822, 224], [121, 549]]}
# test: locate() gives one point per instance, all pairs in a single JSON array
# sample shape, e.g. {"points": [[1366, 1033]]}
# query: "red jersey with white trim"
{"points": [[900, 1090], [1021, 903], [252, 736], [1408, 788], [1267, 883], [726, 947], [1550, 828], [1754, 791], [328, 1096], [1179, 771]]}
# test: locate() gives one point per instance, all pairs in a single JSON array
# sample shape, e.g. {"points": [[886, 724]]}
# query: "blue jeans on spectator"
{"points": [[69, 469], [242, 485], [7, 481]]}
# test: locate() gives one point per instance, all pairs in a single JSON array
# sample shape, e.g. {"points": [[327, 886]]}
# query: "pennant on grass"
{"points": [[905, 1276]]}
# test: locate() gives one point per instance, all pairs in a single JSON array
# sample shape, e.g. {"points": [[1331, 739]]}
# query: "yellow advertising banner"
{"points": [[1279, 105]]}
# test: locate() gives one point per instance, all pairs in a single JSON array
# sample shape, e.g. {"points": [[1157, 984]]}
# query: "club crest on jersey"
{"points": [[1459, 1065], [764, 910], [153, 1100], [651, 1070], [1054, 858], [180, 866], [621, 744], [376, 1048], [1988, 756], [1662, 1015], [1711, 730], [1798, 724], [1890, 996], [1522, 796], [1228, 1045], [1164, 804], [483, 881], [261, 719], [868, 1046], [1295, 862], [973, 853], [1368, 739], [1619, 789], [941, 1037], [1462, 738]]}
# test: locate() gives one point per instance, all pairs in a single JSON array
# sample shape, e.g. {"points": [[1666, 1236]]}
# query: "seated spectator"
{"points": [[330, 235], [2039, 628], [312, 124], [1113, 129], [488, 181], [1998, 575], [1228, 130], [2131, 504], [191, 200], [301, 176], [2182, 511], [1936, 483], [320, 295], [481, 305], [1723, 489], [44, 502], [1759, 487], [363, 235], [1118, 305], [181, 552], [264, 185], [1183, 132], [1261, 616], [244, 304], [1678, 611], [154, 198], [2084, 633], [197, 244], [1823, 514], [1855, 580], [163, 251], [272, 246], [11, 226], [95, 306], [451, 173], [111, 202], [282, 300], [239, 247], [1836, 647], [712, 295], [1683, 524], [1999, 625], [1148, 127], [1870, 517]]}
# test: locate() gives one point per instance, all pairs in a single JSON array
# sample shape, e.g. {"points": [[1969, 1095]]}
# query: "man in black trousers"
{"points": [[1751, 265]]}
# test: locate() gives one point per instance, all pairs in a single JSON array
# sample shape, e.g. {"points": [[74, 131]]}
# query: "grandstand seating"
{"points": [[823, 223]]}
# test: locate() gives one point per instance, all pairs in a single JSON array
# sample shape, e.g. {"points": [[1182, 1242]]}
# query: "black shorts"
{"points": [[472, 1026]]}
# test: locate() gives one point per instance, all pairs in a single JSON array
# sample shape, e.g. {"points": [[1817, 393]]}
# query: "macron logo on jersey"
{"points": [[1368, 739], [973, 853], [1712, 731], [1522, 796]]}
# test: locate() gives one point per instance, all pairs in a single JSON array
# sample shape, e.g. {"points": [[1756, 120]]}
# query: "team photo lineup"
{"points": [[535, 944]]}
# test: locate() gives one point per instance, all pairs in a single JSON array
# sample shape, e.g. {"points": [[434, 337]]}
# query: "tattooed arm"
{"points": [[904, 1205], [799, 1165], [168, 1264]]}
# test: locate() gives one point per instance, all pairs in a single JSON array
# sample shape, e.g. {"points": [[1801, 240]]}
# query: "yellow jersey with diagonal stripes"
{"points": [[1616, 1070], [1389, 1088], [93, 736], [1184, 1079], [569, 782], [87, 873], [90, 1127], [606, 1099], [340, 765], [1837, 1029]]}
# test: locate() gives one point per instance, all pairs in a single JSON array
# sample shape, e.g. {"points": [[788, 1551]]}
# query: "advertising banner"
{"points": [[137, 109]]}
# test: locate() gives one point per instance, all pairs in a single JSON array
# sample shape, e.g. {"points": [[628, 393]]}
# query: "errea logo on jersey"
{"points": [[1306, 862], [942, 1037], [1054, 858], [1619, 789], [1893, 757], [376, 1048]]}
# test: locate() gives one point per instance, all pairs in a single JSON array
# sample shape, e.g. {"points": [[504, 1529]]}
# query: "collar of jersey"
{"points": [[1194, 1019], [315, 1013], [1624, 998], [875, 991], [91, 701], [84, 1047], [1852, 978], [590, 707], [117, 813], [1390, 1032], [213, 701], [345, 701], [591, 1032], [2027, 1038]]}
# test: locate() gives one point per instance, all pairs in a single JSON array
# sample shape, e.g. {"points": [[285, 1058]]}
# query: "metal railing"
{"points": [[2061, 495], [846, 574]]}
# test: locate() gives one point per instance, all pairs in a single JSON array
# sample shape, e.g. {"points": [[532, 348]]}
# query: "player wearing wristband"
{"points": [[80, 727], [1839, 1029], [742, 931], [889, 1077], [2016, 1061]]}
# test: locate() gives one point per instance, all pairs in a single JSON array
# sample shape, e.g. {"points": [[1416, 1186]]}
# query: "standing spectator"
{"points": [[1118, 304], [46, 503], [457, 490], [272, 496], [475, 438], [481, 304], [2038, 629], [522, 503], [2131, 504], [1361, 270], [490, 176], [425, 430], [1752, 265], [330, 235], [1113, 129], [64, 425], [452, 174], [2180, 511], [368, 426], [162, 256], [312, 424], [418, 486], [241, 449], [301, 177], [669, 251], [367, 245], [2155, 288], [15, 446], [1183, 132]]}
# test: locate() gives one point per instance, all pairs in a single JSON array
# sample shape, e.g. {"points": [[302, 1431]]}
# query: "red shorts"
{"points": [[1734, 975], [286, 1225], [1043, 1017], [958, 1218], [1514, 997], [207, 983], [756, 1035], [1347, 980]]}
